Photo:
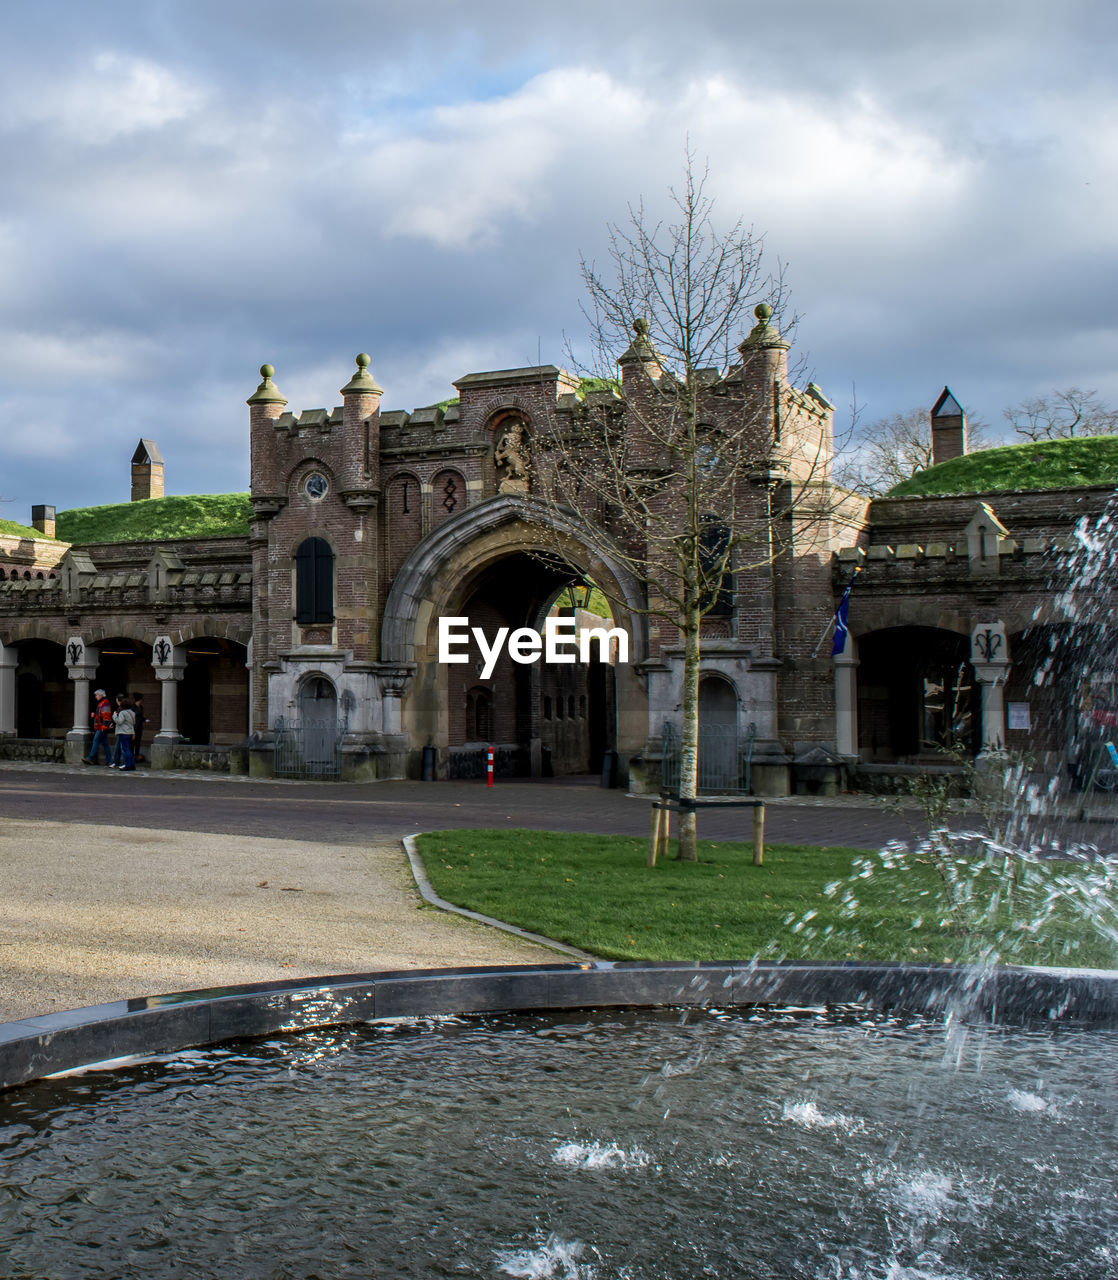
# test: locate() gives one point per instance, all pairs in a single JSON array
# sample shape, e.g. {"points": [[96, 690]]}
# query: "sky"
{"points": [[191, 189]]}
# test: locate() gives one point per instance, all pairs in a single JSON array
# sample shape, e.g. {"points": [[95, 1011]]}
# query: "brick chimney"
{"points": [[147, 471], [949, 428], [42, 520]]}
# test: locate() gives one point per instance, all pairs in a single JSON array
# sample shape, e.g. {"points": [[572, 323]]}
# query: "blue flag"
{"points": [[841, 613]]}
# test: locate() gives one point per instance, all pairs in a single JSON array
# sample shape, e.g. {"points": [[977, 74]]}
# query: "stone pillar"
{"points": [[8, 660], [81, 667], [990, 660], [991, 679], [169, 662], [846, 701], [394, 683]]}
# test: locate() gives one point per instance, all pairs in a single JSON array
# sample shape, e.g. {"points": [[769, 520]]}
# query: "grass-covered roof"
{"points": [[204, 515], [9, 528], [1044, 464]]}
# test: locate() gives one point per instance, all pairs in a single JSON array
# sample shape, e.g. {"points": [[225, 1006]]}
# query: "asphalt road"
{"points": [[357, 813], [341, 813]]}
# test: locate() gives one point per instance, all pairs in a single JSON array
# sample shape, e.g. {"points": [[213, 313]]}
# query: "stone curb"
{"points": [[419, 872]]}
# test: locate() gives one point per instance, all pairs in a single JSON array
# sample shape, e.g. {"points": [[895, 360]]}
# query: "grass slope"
{"points": [[1046, 464], [13, 530], [596, 893], [207, 515]]}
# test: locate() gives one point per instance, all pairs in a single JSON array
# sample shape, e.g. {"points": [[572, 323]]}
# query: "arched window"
{"points": [[314, 582], [479, 715], [715, 567]]}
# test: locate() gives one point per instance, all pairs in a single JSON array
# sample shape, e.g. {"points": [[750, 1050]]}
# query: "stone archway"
{"points": [[499, 564]]}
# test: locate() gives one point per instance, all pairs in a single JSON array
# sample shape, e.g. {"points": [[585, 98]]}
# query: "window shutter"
{"points": [[323, 581], [304, 583], [314, 582]]}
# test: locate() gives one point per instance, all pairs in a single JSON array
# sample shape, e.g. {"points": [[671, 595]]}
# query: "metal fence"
{"points": [[308, 748], [725, 759]]}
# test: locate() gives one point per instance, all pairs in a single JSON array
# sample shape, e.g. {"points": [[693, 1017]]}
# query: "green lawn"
{"points": [[1045, 464], [596, 893], [205, 515]]}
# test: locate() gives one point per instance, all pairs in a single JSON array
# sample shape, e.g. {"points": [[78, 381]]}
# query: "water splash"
{"points": [[554, 1259], [1028, 1102], [578, 1155], [808, 1116]]}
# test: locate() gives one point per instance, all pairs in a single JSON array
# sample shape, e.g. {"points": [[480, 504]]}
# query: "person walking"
{"points": [[102, 718], [141, 720], [125, 720]]}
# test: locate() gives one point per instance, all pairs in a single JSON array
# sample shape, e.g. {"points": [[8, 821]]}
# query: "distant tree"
{"points": [[1062, 414], [893, 449]]}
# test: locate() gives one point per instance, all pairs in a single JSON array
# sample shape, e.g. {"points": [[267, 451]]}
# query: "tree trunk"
{"points": [[689, 746]]}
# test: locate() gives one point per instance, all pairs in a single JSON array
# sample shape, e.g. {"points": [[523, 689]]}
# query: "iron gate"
{"points": [[308, 748], [725, 759]]}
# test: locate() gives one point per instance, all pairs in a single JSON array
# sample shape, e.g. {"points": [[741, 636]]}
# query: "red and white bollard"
{"points": [[489, 767]]}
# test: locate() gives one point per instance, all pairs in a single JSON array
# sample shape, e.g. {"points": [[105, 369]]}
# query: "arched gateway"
{"points": [[498, 567]]}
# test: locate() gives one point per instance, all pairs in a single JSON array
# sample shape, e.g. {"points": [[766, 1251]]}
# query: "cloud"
{"points": [[472, 167], [113, 95], [214, 186]]}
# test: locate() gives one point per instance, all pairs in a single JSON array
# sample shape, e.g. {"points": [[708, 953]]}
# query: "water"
{"points": [[605, 1146]]}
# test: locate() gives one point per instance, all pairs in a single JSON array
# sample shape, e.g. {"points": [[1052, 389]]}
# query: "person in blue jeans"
{"points": [[102, 726], [124, 718]]}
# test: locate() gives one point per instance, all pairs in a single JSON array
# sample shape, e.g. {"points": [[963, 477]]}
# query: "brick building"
{"points": [[317, 634]]}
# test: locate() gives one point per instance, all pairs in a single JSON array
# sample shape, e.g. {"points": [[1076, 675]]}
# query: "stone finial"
{"points": [[640, 350], [362, 382], [267, 392], [763, 334]]}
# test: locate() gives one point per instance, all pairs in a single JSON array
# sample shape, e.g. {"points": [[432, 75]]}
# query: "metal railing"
{"points": [[308, 748], [725, 759]]}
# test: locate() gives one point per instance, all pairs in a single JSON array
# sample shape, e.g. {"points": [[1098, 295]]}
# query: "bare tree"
{"points": [[684, 469], [894, 449], [1061, 414]]}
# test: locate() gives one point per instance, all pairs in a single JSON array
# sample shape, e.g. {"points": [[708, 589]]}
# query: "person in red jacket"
{"points": [[102, 718]]}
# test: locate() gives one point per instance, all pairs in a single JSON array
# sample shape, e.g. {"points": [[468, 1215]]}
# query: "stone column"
{"points": [[991, 679], [846, 701], [169, 663], [990, 660], [81, 667], [8, 661], [394, 683]]}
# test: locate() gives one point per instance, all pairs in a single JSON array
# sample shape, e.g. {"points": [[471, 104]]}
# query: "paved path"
{"points": [[90, 913]]}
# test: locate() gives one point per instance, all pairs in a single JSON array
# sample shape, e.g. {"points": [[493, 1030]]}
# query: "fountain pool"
{"points": [[838, 1141]]}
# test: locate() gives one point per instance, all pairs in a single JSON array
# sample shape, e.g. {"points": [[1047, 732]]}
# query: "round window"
{"points": [[315, 486]]}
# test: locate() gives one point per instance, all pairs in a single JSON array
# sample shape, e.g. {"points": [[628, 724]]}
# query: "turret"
{"points": [[265, 406], [361, 424], [640, 359], [764, 353]]}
